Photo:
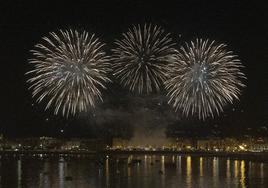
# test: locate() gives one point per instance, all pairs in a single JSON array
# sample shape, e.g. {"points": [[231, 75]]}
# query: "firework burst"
{"points": [[203, 79], [141, 56], [70, 69]]}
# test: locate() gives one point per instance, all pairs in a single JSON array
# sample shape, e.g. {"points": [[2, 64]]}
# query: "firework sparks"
{"points": [[70, 69], [203, 79], [141, 56]]}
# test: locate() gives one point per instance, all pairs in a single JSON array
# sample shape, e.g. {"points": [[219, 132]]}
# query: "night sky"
{"points": [[242, 26]]}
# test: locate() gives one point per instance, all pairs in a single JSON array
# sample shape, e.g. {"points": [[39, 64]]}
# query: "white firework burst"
{"points": [[141, 56], [70, 69], [204, 78]]}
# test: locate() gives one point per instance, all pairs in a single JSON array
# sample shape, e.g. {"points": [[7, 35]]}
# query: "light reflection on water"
{"points": [[242, 177], [132, 171], [19, 173], [201, 166], [188, 170]]}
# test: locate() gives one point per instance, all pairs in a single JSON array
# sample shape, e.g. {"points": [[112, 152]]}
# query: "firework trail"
{"points": [[70, 69], [203, 79], [141, 56]]}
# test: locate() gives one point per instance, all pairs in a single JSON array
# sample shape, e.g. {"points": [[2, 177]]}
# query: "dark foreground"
{"points": [[131, 170]]}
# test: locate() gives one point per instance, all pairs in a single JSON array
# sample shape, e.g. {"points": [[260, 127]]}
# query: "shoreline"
{"points": [[249, 156]]}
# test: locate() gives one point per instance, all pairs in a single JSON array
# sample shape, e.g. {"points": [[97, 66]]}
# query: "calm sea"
{"points": [[139, 171]]}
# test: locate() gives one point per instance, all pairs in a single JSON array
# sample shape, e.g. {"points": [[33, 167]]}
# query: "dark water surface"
{"points": [[131, 171]]}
